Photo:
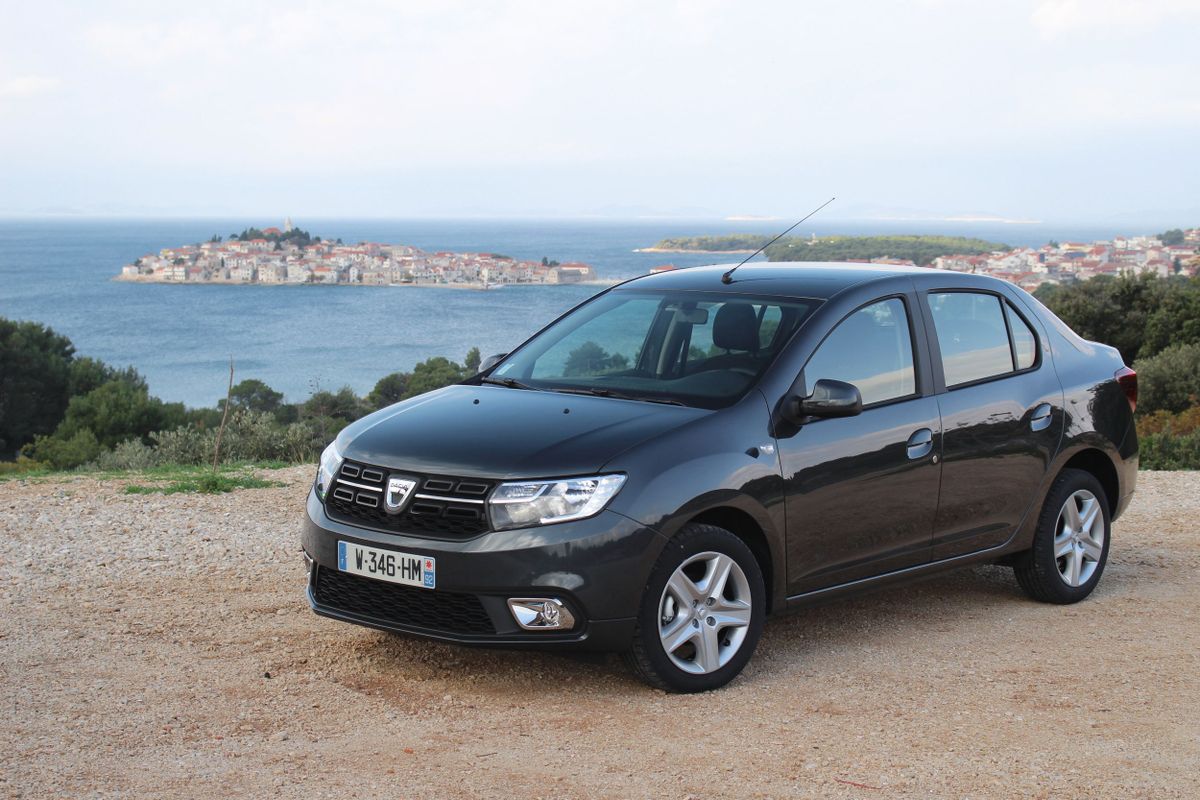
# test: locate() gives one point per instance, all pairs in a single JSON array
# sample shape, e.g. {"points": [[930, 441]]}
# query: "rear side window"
{"points": [[973, 336], [1024, 342], [872, 349]]}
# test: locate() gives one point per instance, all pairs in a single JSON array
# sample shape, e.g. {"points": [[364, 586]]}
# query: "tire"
{"points": [[715, 634], [1069, 550]]}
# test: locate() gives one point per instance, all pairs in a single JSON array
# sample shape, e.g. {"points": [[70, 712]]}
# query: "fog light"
{"points": [[541, 613], [308, 562]]}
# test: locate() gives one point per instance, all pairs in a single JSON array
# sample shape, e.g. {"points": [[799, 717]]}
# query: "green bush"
{"points": [[22, 466], [1168, 451], [80, 448], [1170, 380], [249, 436], [116, 412], [131, 455]]}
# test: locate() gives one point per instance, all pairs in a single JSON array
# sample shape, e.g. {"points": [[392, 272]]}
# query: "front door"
{"points": [[862, 491]]}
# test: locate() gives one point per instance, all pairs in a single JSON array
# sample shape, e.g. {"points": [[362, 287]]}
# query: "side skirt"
{"points": [[899, 576]]}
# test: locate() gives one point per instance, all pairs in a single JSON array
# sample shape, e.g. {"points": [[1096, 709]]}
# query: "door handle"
{"points": [[920, 444], [1041, 417]]}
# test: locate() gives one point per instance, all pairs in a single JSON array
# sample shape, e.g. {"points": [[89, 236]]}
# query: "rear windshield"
{"points": [[695, 348]]}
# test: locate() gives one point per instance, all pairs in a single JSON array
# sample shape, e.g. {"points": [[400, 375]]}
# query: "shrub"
{"points": [[1180, 424], [66, 453], [249, 436], [1168, 381], [1166, 451], [21, 466], [184, 445], [131, 455]]}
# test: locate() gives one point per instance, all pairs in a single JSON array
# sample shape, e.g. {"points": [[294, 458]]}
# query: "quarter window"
{"points": [[872, 349], [972, 336], [1024, 342]]}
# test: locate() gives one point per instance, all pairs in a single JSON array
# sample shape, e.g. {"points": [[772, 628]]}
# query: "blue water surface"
{"points": [[299, 338]]}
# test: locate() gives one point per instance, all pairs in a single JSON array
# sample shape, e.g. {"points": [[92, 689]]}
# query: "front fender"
{"points": [[723, 462]]}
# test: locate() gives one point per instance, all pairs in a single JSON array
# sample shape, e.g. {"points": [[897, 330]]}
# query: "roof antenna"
{"points": [[727, 278]]}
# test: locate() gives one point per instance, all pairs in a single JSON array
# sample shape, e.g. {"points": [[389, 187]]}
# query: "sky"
{"points": [[1052, 110]]}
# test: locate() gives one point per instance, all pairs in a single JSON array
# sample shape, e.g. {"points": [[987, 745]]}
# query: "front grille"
{"points": [[441, 507], [432, 609]]}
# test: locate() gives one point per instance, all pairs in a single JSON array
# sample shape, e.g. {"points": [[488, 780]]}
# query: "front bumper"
{"points": [[597, 566]]}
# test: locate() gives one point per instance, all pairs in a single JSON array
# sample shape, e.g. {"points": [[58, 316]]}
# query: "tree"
{"points": [[431, 374], [116, 412], [342, 405], [587, 359], [1115, 311], [35, 380], [390, 389], [253, 395], [473, 360], [1175, 236], [90, 373]]}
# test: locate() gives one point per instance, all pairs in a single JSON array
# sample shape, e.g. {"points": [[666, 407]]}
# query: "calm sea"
{"points": [[298, 338]]}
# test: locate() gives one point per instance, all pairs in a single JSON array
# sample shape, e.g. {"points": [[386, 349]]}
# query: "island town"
{"points": [[288, 255]]}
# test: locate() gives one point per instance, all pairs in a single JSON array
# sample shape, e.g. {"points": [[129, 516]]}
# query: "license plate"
{"points": [[387, 565]]}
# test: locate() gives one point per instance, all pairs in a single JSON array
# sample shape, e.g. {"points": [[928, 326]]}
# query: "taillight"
{"points": [[1127, 379]]}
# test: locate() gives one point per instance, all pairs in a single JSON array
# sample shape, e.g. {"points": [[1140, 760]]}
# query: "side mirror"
{"points": [[491, 361], [829, 398]]}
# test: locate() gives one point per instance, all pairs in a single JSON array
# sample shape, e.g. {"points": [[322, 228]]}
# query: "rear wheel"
{"points": [[701, 613], [1070, 547]]}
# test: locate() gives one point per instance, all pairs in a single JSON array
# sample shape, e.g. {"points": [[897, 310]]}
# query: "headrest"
{"points": [[736, 327]]}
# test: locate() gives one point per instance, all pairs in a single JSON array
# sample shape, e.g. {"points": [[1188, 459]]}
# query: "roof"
{"points": [[820, 280]]}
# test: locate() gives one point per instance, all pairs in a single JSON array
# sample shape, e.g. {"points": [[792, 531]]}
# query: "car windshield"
{"points": [[693, 348]]}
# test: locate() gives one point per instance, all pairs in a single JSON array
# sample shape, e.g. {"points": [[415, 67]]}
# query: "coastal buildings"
{"points": [[1065, 262], [278, 257]]}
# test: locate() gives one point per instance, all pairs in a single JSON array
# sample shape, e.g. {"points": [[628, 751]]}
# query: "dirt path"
{"points": [[157, 646]]}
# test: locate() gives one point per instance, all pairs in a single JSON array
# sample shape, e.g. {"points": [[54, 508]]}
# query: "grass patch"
{"points": [[204, 483]]}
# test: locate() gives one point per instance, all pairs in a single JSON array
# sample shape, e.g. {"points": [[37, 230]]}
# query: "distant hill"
{"points": [[730, 243], [919, 249]]}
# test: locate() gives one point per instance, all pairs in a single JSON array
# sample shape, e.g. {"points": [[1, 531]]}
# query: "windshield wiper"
{"points": [[598, 392], [511, 383]]}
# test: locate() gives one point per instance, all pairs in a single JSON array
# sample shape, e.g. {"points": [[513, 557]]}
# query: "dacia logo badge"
{"points": [[399, 490]]}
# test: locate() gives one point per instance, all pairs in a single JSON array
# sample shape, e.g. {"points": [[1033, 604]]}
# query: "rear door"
{"points": [[1001, 410]]}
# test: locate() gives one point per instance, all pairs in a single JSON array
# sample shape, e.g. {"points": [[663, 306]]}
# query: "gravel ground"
{"points": [[160, 646]]}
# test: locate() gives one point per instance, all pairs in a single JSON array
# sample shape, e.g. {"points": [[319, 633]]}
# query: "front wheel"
{"points": [[701, 613], [1070, 547]]}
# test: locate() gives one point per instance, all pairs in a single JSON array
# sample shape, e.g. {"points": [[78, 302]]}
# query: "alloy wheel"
{"points": [[704, 613], [1079, 538]]}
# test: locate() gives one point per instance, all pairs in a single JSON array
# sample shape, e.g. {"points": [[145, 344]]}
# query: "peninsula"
{"points": [[288, 255], [1173, 252], [918, 249]]}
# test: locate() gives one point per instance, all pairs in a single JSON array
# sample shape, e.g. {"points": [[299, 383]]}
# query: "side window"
{"points": [[872, 349], [971, 335], [1024, 342]]}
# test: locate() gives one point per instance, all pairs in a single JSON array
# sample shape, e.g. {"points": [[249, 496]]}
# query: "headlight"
{"points": [[528, 503], [331, 461]]}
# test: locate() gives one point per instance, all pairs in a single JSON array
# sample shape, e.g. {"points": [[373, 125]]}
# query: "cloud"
{"points": [[1060, 18], [28, 85]]}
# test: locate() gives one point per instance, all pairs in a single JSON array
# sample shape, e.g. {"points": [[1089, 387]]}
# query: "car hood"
{"points": [[496, 432]]}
